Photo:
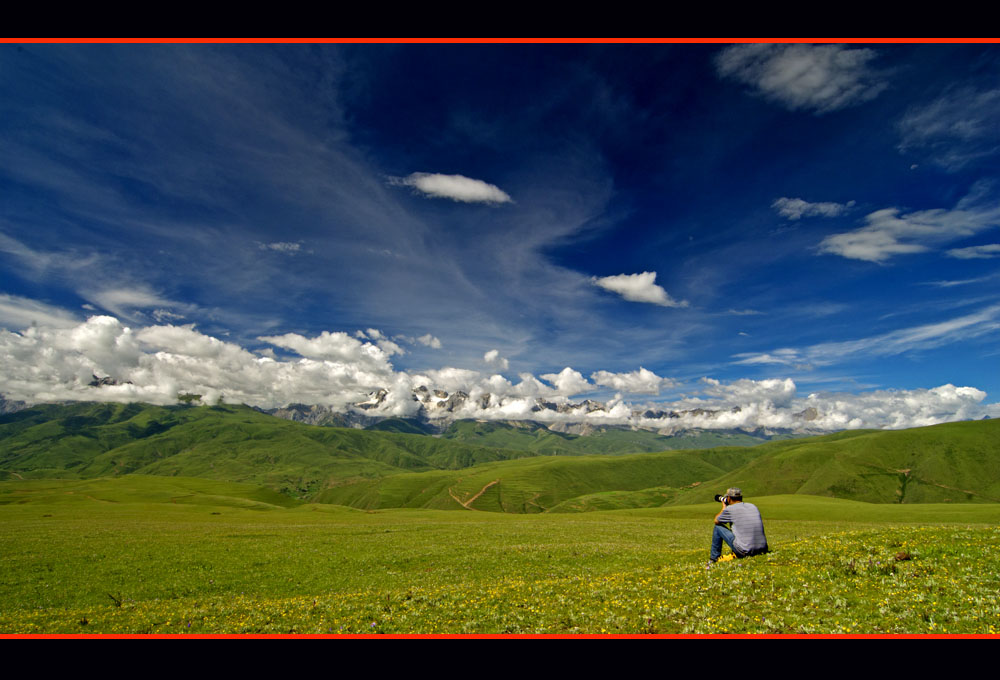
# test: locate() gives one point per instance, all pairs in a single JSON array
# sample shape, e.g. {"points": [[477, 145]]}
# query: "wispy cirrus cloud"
{"points": [[890, 232], [797, 208], [289, 248], [455, 187], [975, 252], [900, 341], [821, 78], [638, 288], [955, 129], [22, 312]]}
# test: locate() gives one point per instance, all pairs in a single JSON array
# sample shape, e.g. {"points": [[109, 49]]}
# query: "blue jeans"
{"points": [[719, 535]]}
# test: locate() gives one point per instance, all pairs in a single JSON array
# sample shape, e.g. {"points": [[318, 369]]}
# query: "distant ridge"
{"points": [[474, 465]]}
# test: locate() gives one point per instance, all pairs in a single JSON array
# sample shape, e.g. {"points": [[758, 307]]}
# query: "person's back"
{"points": [[747, 537], [748, 528]]}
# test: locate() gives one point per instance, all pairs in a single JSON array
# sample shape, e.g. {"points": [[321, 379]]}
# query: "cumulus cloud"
{"points": [[638, 288], [955, 129], [821, 78], [775, 391], [454, 187], [336, 346], [976, 252], [776, 404], [797, 208], [493, 358], [430, 341], [156, 363], [568, 382], [642, 381], [889, 232]]}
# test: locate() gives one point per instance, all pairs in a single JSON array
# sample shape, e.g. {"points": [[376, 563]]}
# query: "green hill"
{"points": [[954, 462], [537, 484], [949, 463], [144, 489], [233, 443]]}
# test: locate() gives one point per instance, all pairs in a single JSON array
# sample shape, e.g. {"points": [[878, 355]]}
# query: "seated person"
{"points": [[746, 538]]}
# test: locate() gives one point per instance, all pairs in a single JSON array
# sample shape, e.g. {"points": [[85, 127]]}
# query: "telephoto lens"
{"points": [[720, 497]]}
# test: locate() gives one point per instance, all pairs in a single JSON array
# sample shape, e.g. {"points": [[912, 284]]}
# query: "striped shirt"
{"points": [[748, 528]]}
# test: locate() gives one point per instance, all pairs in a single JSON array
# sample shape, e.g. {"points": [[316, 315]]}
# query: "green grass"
{"points": [[96, 556]]}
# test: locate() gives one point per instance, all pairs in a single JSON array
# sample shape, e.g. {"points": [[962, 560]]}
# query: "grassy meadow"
{"points": [[142, 554]]}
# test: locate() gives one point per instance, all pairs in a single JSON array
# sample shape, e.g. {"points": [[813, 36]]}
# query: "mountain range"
{"points": [[506, 467]]}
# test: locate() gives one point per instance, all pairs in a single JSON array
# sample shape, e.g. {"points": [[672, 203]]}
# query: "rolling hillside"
{"points": [[232, 443], [949, 463]]}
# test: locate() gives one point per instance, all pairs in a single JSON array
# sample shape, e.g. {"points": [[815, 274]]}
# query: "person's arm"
{"points": [[719, 519]]}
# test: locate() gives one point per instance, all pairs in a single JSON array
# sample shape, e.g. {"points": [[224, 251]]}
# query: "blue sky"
{"points": [[826, 214]]}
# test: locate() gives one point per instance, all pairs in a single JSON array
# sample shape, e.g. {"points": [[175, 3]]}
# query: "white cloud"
{"points": [[895, 409], [123, 300], [638, 288], [430, 341], [455, 187], [21, 312], [162, 315], [888, 233], [774, 391], [887, 344], [569, 382], [493, 358], [797, 208], [336, 346], [744, 312], [281, 247], [155, 363], [804, 77], [427, 340], [976, 252], [960, 282], [642, 381], [785, 356], [955, 129]]}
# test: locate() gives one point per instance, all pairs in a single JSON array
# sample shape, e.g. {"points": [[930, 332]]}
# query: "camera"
{"points": [[721, 498]]}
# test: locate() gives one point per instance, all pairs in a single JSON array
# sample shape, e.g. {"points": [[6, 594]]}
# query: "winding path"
{"points": [[466, 504]]}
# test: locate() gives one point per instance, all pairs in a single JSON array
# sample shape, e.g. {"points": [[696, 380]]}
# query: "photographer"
{"points": [[746, 538]]}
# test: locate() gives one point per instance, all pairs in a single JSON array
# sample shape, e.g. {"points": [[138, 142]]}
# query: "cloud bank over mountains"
{"points": [[157, 363]]}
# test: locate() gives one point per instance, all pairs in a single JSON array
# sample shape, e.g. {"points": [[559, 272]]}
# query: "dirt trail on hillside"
{"points": [[901, 492], [466, 504]]}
